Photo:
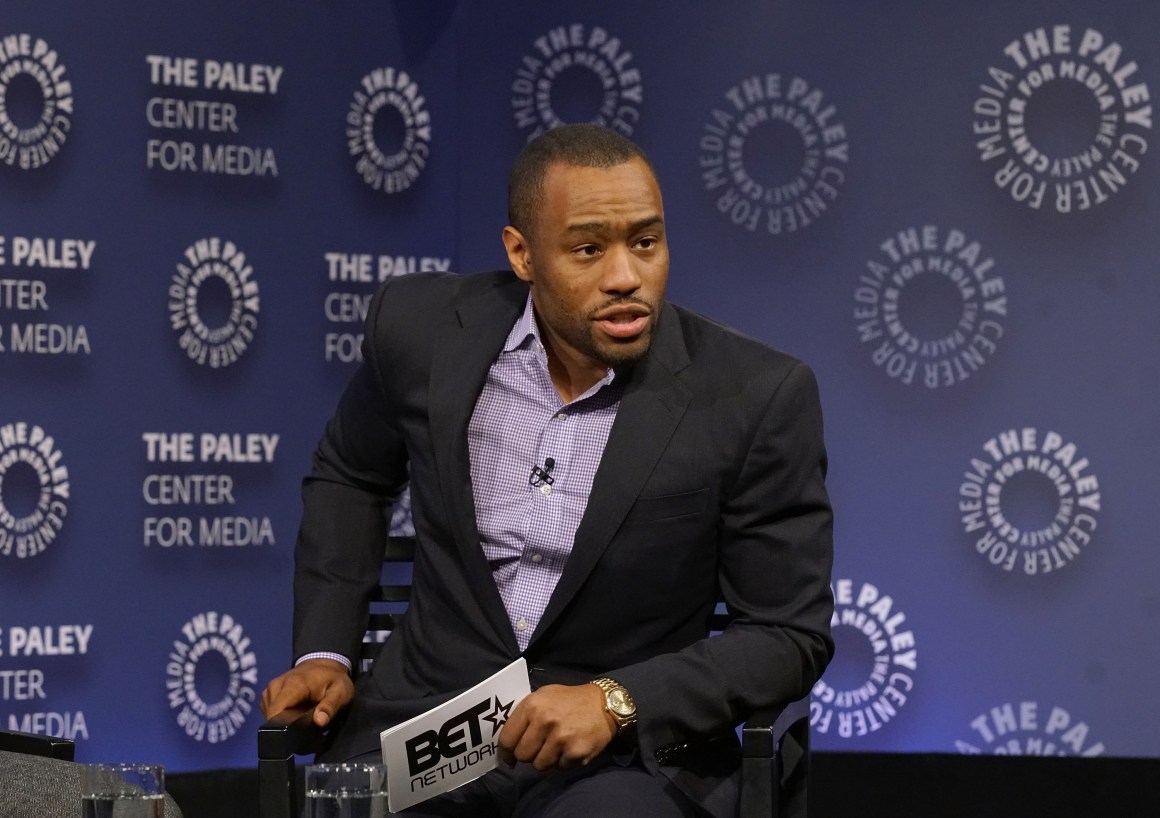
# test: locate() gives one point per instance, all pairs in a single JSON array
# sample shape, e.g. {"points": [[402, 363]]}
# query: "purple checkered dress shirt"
{"points": [[519, 421], [526, 526]]}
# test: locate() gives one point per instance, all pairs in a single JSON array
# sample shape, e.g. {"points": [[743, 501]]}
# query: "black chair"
{"points": [[36, 745], [41, 780], [774, 745]]}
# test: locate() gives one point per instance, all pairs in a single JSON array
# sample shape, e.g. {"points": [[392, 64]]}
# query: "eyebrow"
{"points": [[602, 227]]}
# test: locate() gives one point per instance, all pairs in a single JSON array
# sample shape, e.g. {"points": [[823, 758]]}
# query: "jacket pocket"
{"points": [[668, 506]]}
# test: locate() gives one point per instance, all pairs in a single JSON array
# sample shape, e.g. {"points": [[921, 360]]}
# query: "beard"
{"points": [[583, 335]]}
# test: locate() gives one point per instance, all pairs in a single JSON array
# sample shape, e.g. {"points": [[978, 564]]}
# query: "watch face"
{"points": [[619, 702]]}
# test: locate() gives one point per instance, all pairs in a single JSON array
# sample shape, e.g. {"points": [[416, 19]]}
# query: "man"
{"points": [[591, 469]]}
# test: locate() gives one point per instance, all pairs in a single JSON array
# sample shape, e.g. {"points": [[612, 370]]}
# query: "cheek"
{"points": [[561, 306], [655, 282], [655, 271], [571, 300]]}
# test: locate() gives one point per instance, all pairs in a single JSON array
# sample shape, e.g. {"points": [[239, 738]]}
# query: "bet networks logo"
{"points": [[459, 744]]}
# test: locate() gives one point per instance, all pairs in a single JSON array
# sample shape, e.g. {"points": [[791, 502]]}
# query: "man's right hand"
{"points": [[322, 683]]}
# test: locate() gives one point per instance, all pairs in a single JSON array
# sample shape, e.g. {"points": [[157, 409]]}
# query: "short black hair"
{"points": [[582, 145]]}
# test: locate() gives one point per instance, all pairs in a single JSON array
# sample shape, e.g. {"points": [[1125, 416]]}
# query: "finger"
{"points": [[268, 696], [548, 758], [565, 750], [280, 694], [513, 730], [506, 757], [510, 735], [531, 745]]}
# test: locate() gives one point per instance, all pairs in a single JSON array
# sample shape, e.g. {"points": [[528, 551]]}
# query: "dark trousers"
{"points": [[603, 788]]}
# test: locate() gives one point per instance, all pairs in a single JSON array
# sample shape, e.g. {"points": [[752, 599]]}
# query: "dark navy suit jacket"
{"points": [[710, 486]]}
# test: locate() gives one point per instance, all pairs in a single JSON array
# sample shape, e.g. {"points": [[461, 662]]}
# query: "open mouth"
{"points": [[623, 322]]}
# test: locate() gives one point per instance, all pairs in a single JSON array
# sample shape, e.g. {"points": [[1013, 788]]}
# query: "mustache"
{"points": [[621, 300]]}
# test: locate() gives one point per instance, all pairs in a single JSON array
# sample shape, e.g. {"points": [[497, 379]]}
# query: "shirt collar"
{"points": [[525, 328]]}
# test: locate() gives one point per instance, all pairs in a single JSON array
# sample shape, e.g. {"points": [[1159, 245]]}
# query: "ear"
{"points": [[518, 253]]}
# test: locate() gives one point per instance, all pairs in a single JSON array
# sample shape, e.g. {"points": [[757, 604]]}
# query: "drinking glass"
{"points": [[123, 790], [346, 791]]}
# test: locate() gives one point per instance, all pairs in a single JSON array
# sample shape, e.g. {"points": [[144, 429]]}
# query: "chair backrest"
{"points": [[389, 604], [390, 601]]}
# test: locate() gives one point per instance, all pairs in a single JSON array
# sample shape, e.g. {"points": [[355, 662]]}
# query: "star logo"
{"points": [[498, 715]]}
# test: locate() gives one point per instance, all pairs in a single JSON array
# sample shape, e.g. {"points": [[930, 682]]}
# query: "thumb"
{"points": [[333, 699], [324, 710]]}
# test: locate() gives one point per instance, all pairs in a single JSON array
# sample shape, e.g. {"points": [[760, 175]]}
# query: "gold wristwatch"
{"points": [[618, 702]]}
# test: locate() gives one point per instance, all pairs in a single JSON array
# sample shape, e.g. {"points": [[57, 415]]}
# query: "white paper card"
{"points": [[451, 744]]}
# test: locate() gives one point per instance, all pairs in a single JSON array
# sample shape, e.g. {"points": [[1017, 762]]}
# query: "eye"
{"points": [[587, 250], [647, 243]]}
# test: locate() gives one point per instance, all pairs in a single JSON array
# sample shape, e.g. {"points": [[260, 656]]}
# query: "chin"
{"points": [[627, 353]]}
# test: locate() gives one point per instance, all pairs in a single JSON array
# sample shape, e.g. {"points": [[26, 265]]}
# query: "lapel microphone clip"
{"points": [[540, 477]]}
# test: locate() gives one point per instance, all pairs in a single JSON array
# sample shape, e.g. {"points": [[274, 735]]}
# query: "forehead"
{"points": [[626, 192]]}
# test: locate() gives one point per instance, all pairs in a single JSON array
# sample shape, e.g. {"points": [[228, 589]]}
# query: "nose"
{"points": [[620, 274]]}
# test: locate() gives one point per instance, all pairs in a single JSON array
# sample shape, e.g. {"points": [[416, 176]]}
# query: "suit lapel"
{"points": [[652, 406], [462, 356]]}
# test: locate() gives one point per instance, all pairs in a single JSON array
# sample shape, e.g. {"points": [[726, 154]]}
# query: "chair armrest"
{"points": [[775, 762], [289, 733], [37, 745], [283, 736]]}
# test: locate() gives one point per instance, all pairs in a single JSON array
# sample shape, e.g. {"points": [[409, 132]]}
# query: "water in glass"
{"points": [[347, 805], [145, 806]]}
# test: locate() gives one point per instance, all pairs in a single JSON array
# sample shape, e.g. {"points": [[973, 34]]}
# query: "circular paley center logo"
{"points": [[1030, 501], [1023, 730], [1064, 121], [211, 677], [774, 154], [34, 490], [36, 102], [213, 303], [930, 308], [388, 131], [873, 673], [577, 73]]}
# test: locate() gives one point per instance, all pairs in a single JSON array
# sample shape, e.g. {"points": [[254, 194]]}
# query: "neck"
{"points": [[571, 377]]}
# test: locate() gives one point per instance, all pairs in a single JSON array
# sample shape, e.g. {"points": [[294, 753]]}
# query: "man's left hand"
{"points": [[558, 727]]}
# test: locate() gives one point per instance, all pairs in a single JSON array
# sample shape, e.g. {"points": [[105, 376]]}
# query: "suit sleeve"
{"points": [[775, 555], [359, 467]]}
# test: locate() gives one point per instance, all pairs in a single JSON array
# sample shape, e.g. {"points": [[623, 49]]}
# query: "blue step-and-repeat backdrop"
{"points": [[950, 210]]}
